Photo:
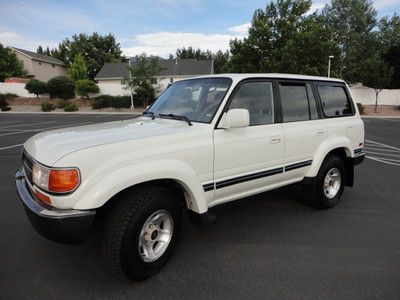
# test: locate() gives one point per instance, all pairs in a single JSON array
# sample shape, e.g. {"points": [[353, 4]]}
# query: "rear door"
{"points": [[304, 129]]}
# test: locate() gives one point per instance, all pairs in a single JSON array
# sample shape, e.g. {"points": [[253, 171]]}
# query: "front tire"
{"points": [[329, 185], [141, 231]]}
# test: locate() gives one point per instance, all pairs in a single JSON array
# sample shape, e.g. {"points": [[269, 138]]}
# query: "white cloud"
{"points": [[164, 43], [13, 39], [240, 29]]}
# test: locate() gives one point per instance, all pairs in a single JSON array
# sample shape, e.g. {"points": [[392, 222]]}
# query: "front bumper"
{"points": [[58, 225]]}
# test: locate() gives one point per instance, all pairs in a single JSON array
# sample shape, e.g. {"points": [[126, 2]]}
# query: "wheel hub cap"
{"points": [[155, 236], [332, 183]]}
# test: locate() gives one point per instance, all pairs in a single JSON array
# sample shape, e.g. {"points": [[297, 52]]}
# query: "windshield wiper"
{"points": [[175, 117], [149, 113]]}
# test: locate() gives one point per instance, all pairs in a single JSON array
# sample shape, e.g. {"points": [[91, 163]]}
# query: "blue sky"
{"points": [[156, 27]]}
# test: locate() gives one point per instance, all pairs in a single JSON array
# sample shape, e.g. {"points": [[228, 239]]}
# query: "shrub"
{"points": [[4, 97], [70, 107], [5, 108], [106, 101], [360, 108], [36, 87], [85, 87], [47, 106], [61, 87], [62, 103], [3, 103]]}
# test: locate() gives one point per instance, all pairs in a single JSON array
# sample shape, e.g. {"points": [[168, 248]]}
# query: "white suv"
{"points": [[205, 141]]}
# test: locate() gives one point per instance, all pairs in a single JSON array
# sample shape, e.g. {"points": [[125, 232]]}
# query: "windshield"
{"points": [[195, 99]]}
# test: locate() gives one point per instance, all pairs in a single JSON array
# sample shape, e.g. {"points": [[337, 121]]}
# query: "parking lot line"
{"points": [[10, 147], [388, 146], [44, 129], [385, 161], [379, 153]]}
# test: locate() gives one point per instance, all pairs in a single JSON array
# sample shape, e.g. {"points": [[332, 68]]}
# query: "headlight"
{"points": [[40, 176], [60, 180]]}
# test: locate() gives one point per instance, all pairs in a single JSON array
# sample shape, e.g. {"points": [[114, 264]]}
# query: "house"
{"points": [[111, 74], [40, 66]]}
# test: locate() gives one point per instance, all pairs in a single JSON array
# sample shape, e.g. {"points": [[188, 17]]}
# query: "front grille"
{"points": [[27, 164]]}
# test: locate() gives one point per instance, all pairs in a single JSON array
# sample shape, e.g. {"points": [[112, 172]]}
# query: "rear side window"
{"points": [[335, 102], [295, 102]]}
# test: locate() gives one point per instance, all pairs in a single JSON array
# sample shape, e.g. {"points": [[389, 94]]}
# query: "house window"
{"points": [[53, 65]]}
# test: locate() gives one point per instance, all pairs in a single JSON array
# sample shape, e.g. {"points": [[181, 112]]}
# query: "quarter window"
{"points": [[335, 102], [257, 98], [294, 102]]}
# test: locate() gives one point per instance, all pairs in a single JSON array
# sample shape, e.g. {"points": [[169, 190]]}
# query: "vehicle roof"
{"points": [[238, 77]]}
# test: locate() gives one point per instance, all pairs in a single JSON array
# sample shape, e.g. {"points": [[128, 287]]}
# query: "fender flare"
{"points": [[117, 180], [323, 150]]}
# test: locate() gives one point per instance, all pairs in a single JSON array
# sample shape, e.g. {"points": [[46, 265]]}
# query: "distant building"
{"points": [[111, 74], [40, 66]]}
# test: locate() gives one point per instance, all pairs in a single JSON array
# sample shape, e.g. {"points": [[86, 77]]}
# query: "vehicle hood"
{"points": [[48, 147]]}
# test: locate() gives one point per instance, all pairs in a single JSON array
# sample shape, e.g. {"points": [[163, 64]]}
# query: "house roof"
{"points": [[181, 67], [39, 57]]}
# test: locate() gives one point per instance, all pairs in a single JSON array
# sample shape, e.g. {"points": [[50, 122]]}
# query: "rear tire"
{"points": [[329, 184], [141, 231]]}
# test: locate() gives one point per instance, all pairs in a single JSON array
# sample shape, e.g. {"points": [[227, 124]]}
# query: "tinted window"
{"points": [[334, 101], [257, 98], [294, 103]]}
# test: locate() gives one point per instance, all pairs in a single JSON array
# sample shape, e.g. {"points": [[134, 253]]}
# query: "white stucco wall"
{"points": [[362, 94], [367, 96], [15, 88]]}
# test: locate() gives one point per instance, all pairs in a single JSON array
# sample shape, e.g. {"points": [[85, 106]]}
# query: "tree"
{"points": [[220, 58], [85, 87], [377, 75], [389, 37], [352, 22], [36, 87], [61, 87], [41, 51], [10, 66], [142, 78], [96, 50], [284, 38], [78, 69]]}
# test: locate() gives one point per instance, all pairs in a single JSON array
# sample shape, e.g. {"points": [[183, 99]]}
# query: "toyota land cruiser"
{"points": [[205, 141]]}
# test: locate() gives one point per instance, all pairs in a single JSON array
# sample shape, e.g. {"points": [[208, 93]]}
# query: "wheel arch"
{"points": [[338, 147], [174, 174]]}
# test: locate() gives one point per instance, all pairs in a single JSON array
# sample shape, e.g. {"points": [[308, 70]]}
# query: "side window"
{"points": [[294, 102], [335, 102], [257, 98]]}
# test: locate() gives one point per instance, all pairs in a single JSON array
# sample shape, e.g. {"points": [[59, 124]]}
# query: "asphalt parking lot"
{"points": [[266, 246]]}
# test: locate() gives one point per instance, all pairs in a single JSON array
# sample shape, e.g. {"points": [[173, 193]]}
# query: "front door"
{"points": [[251, 158]]}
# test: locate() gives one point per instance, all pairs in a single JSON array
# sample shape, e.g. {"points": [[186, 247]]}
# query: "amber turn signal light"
{"points": [[63, 181]]}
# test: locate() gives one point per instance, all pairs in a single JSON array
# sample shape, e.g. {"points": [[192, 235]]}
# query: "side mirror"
{"points": [[236, 118]]}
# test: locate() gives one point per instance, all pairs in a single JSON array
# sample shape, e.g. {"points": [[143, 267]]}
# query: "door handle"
{"points": [[321, 132], [275, 139]]}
